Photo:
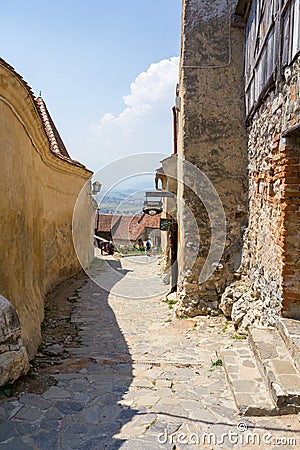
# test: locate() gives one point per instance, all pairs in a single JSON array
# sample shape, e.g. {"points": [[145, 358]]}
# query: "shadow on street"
{"points": [[82, 410]]}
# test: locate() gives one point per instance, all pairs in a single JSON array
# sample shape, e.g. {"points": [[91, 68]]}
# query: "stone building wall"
{"points": [[168, 263], [212, 138], [271, 252], [39, 189]]}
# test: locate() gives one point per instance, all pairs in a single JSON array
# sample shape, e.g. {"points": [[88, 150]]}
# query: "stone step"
{"points": [[249, 389], [289, 330], [276, 364]]}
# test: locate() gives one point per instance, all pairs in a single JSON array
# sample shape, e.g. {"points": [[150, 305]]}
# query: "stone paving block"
{"points": [[190, 404], [11, 408], [3, 414], [92, 414], [71, 441], [67, 376], [127, 414], [81, 397], [29, 411], [45, 440], [24, 428], [142, 383], [50, 425], [174, 411], [223, 412], [35, 400], [55, 392], [7, 430], [138, 444], [174, 401], [163, 383], [15, 444], [202, 414], [130, 431], [276, 364], [68, 407], [165, 424], [148, 400]]}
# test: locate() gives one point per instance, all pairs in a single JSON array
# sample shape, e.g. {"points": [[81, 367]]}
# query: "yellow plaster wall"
{"points": [[38, 193]]}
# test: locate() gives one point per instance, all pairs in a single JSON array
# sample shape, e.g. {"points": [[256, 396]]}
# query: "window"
{"points": [[272, 41], [290, 31]]}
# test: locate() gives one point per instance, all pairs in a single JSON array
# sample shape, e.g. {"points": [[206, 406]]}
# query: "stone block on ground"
{"points": [[247, 385], [13, 365], [289, 330], [10, 330], [13, 356], [276, 364]]}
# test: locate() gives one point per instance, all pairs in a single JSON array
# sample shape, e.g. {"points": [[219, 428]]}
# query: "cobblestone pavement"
{"points": [[141, 379]]}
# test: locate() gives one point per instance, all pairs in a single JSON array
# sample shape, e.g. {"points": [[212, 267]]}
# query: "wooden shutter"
{"points": [[260, 49], [290, 15], [272, 41]]}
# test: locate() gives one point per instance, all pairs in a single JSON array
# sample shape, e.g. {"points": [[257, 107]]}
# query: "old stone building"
{"points": [[212, 157], [39, 186], [239, 124]]}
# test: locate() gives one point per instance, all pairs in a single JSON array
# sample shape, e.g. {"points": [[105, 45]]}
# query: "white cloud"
{"points": [[145, 123], [153, 85]]}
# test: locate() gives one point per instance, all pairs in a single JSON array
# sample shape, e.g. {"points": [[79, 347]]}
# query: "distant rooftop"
{"points": [[126, 226]]}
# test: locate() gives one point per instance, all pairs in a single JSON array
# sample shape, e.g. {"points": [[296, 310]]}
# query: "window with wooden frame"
{"points": [[290, 39], [272, 41]]}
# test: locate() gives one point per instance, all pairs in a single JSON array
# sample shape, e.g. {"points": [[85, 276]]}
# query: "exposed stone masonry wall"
{"points": [[271, 266], [271, 258]]}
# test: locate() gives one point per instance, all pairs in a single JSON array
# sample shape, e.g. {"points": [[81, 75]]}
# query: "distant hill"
{"points": [[126, 202], [127, 197]]}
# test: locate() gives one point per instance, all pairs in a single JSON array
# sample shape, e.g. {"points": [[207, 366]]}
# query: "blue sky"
{"points": [[107, 70]]}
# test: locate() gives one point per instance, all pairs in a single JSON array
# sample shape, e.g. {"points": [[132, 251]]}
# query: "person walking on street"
{"points": [[111, 248], [148, 247]]}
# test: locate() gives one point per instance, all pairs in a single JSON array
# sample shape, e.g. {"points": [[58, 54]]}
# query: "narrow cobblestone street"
{"points": [[142, 379]]}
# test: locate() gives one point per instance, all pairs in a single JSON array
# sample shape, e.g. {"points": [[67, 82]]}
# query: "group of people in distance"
{"points": [[109, 248], [148, 246]]}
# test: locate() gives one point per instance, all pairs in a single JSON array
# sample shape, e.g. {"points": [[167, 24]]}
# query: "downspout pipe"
{"points": [[98, 220], [174, 109]]}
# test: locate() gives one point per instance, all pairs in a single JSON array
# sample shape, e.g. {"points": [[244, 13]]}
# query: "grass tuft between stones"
{"points": [[216, 363], [239, 336]]}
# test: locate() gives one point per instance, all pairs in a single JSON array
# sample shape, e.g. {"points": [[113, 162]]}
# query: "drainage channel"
{"points": [[112, 362]]}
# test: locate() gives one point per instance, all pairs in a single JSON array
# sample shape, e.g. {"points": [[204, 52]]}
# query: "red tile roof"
{"points": [[56, 143], [126, 227], [103, 222]]}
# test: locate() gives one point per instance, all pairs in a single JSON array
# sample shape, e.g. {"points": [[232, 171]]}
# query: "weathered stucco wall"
{"points": [[212, 137], [38, 193], [271, 253]]}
